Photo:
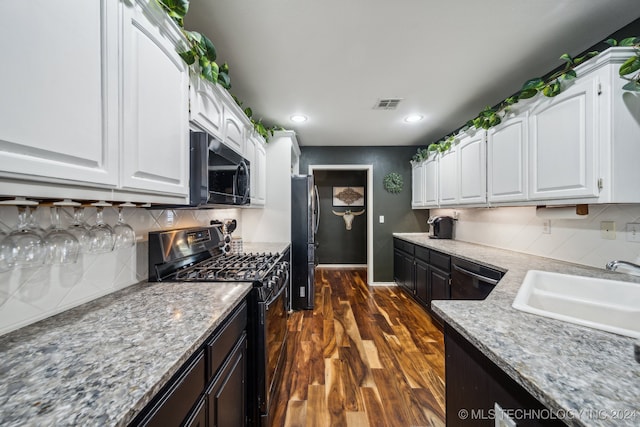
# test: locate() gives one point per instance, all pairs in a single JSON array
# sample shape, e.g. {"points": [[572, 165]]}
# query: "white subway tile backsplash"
{"points": [[573, 240], [31, 294]]}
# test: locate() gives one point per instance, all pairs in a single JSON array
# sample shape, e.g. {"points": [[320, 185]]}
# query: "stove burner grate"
{"points": [[230, 267]]}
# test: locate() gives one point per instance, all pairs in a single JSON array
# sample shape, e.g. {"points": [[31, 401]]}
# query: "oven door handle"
{"points": [[476, 275], [275, 297]]}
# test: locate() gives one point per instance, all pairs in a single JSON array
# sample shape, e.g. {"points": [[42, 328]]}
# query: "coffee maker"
{"points": [[440, 227]]}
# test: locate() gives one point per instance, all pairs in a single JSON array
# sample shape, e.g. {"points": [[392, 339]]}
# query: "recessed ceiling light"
{"points": [[298, 118], [413, 118]]}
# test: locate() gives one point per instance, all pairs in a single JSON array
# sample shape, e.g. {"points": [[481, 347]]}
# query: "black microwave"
{"points": [[218, 174]]}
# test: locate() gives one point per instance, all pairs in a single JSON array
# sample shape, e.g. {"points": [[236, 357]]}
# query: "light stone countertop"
{"points": [[588, 373], [102, 362]]}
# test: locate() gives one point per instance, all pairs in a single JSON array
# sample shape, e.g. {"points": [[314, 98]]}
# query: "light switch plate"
{"points": [[381, 219], [633, 232], [608, 230], [546, 226]]}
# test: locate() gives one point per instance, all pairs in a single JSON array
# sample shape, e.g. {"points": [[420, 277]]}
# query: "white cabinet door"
{"points": [[562, 139], [472, 169], [59, 98], [417, 185], [430, 174], [156, 105], [207, 109], [259, 169], [507, 169], [234, 131], [448, 177]]}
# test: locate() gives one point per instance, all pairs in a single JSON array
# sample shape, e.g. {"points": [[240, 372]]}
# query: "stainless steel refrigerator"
{"points": [[305, 214]]}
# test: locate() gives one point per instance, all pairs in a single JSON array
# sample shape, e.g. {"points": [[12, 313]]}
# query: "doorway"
{"points": [[355, 245]]}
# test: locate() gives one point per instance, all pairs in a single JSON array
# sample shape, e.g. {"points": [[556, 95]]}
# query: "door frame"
{"points": [[369, 206]]}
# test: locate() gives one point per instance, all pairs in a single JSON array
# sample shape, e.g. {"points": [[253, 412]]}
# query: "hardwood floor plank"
{"points": [[363, 357], [335, 392], [317, 411], [372, 354], [296, 413], [375, 412]]}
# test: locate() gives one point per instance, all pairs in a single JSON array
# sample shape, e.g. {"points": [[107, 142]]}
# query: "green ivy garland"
{"points": [[393, 182]]}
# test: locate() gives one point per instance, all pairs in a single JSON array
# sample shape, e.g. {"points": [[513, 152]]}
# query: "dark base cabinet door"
{"points": [[422, 282], [199, 418], [440, 284], [475, 385], [226, 395]]}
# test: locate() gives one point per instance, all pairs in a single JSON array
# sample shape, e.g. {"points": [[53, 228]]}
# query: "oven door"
{"points": [[275, 312]]}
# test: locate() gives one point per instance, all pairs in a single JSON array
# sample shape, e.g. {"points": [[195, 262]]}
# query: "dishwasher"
{"points": [[471, 281]]}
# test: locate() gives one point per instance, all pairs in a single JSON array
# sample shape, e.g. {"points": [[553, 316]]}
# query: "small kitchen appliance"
{"points": [[440, 227], [218, 175], [197, 255]]}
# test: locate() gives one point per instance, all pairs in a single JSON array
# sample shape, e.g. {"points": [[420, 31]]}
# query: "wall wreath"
{"points": [[393, 182]]}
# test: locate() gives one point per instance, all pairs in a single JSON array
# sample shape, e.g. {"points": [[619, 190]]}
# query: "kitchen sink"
{"points": [[607, 305]]}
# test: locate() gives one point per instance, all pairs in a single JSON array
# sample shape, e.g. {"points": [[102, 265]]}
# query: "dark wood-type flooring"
{"points": [[363, 357]]}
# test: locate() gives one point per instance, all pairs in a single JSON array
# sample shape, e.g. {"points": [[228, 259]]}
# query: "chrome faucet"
{"points": [[633, 268]]}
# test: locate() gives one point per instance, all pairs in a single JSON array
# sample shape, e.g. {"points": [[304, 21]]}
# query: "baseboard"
{"points": [[383, 284], [342, 266]]}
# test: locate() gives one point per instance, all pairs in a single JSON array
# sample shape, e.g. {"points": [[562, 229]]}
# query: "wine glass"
{"points": [[80, 229], [62, 246], [102, 235], [29, 248], [124, 235], [7, 249], [32, 222]]}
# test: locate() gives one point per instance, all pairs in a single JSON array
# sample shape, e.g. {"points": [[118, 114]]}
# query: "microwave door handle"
{"points": [[243, 167]]}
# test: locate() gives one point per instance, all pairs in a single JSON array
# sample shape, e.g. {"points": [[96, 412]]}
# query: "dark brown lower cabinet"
{"points": [[423, 291], [199, 417], [474, 385], [210, 389], [226, 396], [440, 284]]}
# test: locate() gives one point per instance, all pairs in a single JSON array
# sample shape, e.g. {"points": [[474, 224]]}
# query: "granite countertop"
{"points": [[102, 362], [590, 375], [260, 247]]}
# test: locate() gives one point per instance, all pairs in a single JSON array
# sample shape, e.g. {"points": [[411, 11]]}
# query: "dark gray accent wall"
{"points": [[396, 208], [336, 244]]}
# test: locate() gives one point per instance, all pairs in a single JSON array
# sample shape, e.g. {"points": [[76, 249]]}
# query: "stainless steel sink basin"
{"points": [[607, 305]]}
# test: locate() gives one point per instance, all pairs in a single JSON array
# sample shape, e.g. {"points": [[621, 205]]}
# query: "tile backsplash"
{"points": [[31, 294], [574, 240]]}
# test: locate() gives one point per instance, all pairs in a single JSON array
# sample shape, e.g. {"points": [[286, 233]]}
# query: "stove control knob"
{"points": [[271, 283]]}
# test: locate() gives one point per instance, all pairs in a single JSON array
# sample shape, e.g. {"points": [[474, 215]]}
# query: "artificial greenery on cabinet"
{"points": [[549, 86], [201, 57]]}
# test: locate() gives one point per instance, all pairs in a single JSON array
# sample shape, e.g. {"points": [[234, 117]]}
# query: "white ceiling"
{"points": [[447, 59]]}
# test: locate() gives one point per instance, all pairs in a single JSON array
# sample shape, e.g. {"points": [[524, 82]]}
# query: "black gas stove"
{"points": [[238, 267], [197, 255]]}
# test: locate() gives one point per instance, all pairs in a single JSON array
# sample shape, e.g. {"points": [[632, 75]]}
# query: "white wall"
{"points": [[31, 294], [573, 240]]}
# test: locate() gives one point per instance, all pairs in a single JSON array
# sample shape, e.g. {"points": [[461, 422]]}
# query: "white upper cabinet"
{"points": [[563, 133], [417, 184], [207, 110], [424, 180], [59, 101], [507, 168], [472, 168], [234, 131], [448, 192], [259, 173], [430, 174], [155, 154]]}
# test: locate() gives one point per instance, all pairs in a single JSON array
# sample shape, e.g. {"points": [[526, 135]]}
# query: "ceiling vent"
{"points": [[387, 104]]}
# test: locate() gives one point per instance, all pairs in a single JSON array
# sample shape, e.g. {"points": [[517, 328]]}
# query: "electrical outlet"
{"points": [[381, 219], [608, 230], [633, 232], [546, 226]]}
